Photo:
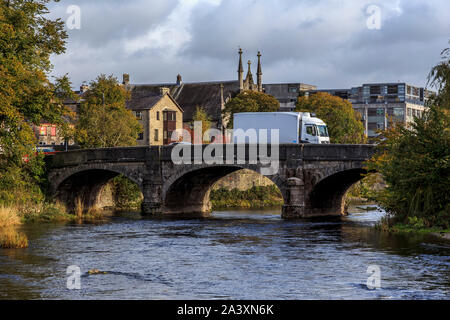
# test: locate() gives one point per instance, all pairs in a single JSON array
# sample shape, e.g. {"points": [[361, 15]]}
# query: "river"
{"points": [[231, 255]]}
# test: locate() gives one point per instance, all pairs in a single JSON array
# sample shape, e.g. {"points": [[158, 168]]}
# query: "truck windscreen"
{"points": [[323, 131]]}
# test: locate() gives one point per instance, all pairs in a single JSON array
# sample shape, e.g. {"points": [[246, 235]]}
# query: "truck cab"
{"points": [[313, 130]]}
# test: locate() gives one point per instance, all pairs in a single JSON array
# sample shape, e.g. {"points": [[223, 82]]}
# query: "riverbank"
{"points": [[414, 225], [255, 197], [12, 218]]}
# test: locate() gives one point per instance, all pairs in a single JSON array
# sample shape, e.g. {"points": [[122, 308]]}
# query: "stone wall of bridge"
{"points": [[311, 178]]}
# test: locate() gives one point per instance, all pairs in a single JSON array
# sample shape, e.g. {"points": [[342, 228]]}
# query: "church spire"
{"points": [[240, 72], [249, 78], [259, 73]]}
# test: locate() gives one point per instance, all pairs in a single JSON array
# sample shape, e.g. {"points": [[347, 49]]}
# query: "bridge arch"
{"points": [[88, 183], [327, 195], [188, 191]]}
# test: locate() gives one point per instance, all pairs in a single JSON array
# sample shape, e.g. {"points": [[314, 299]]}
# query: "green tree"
{"points": [[344, 124], [62, 92], [27, 39], [440, 78], [415, 163], [249, 101], [103, 119], [201, 116]]}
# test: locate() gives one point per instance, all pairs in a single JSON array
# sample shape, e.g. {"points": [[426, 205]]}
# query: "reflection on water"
{"points": [[234, 254]]}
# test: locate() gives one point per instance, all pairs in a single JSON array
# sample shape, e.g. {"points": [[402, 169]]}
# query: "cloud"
{"points": [[326, 43]]}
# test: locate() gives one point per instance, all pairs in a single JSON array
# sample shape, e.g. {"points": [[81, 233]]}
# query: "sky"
{"points": [[327, 43]]}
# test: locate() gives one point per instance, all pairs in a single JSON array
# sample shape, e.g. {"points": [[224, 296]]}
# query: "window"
{"points": [[392, 89], [157, 115], [141, 136], [323, 132], [156, 135], [53, 131], [311, 130], [165, 116], [165, 135], [409, 112], [43, 131], [138, 115], [375, 90]]}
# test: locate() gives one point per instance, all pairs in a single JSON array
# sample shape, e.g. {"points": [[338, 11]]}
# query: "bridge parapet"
{"points": [[107, 155], [316, 152]]}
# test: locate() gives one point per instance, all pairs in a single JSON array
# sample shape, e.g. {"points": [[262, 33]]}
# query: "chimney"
{"points": [[179, 80], [84, 88], [126, 79], [163, 90]]}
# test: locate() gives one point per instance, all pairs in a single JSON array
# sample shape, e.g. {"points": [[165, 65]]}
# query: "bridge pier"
{"points": [[152, 203], [294, 206]]}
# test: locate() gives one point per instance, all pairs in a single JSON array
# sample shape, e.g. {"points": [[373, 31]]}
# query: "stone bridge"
{"points": [[313, 179]]}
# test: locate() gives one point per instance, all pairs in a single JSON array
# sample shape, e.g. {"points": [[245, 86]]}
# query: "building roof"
{"points": [[188, 96]]}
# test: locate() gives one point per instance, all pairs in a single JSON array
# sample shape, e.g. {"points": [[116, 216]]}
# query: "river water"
{"points": [[231, 255]]}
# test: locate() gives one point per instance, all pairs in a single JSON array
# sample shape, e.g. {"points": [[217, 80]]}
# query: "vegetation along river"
{"points": [[230, 255]]}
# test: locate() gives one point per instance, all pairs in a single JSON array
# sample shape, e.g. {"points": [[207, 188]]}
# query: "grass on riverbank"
{"points": [[10, 237], [412, 225], [12, 217], [9, 217], [255, 197]]}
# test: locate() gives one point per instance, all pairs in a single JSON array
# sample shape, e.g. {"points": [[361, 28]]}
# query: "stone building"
{"points": [[211, 96], [48, 134], [383, 103], [158, 113]]}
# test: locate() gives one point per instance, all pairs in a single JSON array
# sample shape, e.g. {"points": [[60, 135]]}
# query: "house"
{"points": [[158, 112]]}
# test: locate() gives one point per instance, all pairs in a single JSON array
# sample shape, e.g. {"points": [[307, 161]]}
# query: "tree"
{"points": [[249, 101], [103, 119], [415, 163], [344, 124], [201, 116], [439, 77], [62, 92], [27, 39]]}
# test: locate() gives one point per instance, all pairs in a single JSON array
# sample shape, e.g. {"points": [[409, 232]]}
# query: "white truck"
{"points": [[294, 127]]}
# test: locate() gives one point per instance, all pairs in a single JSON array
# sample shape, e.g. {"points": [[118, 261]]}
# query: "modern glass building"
{"points": [[381, 104]]}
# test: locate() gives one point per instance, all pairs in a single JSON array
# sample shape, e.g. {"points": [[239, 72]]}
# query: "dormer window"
{"points": [[138, 115]]}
